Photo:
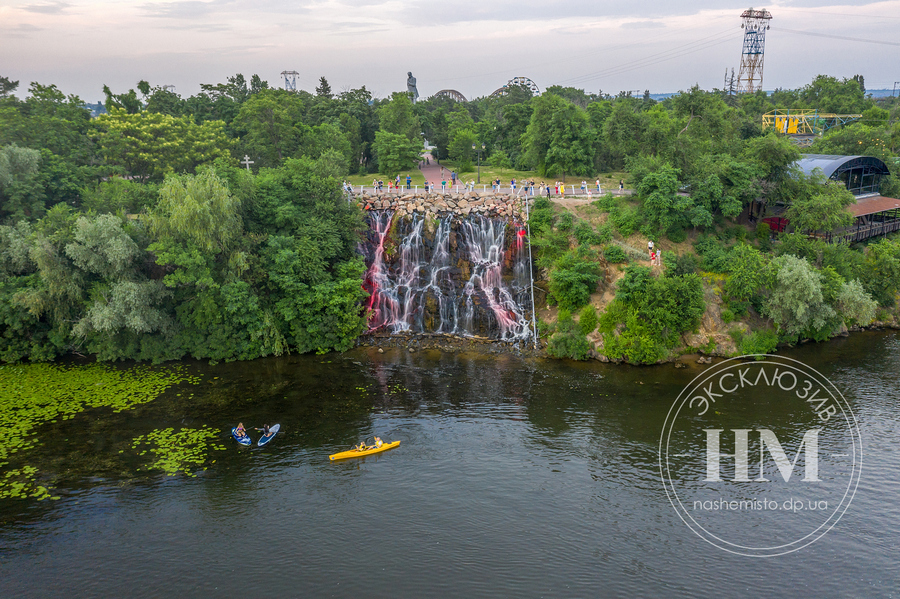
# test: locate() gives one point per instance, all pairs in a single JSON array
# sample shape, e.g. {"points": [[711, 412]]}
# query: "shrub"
{"points": [[587, 320], [614, 254], [574, 278], [585, 234], [655, 311], [727, 315], [715, 257], [685, 264], [565, 222], [739, 307], [759, 342], [676, 234], [607, 203], [604, 233], [568, 341], [626, 220]]}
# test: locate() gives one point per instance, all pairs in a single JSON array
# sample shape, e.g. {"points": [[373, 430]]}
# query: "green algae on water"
{"points": [[36, 394], [182, 452]]}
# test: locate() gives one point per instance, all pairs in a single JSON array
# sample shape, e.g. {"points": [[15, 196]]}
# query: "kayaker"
{"points": [[265, 430], [361, 447], [378, 442], [240, 431]]}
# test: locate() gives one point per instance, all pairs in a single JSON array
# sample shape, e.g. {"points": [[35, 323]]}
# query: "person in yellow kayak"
{"points": [[361, 447], [378, 442]]}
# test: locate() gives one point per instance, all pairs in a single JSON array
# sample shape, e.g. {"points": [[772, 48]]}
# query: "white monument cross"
{"points": [[246, 161]]}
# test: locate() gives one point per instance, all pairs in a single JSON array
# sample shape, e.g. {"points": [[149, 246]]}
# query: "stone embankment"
{"points": [[440, 204]]}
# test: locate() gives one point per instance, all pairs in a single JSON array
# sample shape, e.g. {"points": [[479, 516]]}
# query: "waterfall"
{"points": [[457, 276]]}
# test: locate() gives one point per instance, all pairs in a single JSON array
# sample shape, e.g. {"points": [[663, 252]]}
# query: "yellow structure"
{"points": [[804, 122]]}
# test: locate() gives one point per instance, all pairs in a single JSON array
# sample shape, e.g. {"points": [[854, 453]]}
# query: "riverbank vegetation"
{"points": [[145, 233]]}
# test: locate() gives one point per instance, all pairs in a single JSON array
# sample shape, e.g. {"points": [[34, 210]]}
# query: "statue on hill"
{"points": [[411, 87]]}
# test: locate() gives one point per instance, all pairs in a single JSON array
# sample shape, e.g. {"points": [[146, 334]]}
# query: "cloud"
{"points": [[184, 9], [23, 30], [642, 25], [48, 8]]}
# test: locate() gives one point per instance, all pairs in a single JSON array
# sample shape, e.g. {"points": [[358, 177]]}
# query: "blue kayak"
{"points": [[245, 440], [266, 438]]}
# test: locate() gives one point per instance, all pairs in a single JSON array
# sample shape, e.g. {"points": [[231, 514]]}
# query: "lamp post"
{"points": [[474, 147]]}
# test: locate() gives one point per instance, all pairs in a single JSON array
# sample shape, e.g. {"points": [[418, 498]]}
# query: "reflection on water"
{"points": [[514, 478]]}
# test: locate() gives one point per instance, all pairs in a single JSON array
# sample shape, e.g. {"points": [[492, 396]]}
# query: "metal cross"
{"points": [[246, 161]]}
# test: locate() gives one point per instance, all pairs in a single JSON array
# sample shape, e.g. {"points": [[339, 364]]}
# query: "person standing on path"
{"points": [[650, 248], [408, 181], [598, 186]]}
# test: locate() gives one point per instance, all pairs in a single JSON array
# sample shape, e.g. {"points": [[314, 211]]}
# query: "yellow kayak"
{"points": [[356, 453]]}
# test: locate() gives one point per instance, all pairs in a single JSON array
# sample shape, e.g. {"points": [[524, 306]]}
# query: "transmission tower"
{"points": [[755, 24], [728, 88], [290, 80]]}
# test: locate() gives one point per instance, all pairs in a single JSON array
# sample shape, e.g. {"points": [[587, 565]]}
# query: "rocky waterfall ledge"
{"points": [[463, 204]]}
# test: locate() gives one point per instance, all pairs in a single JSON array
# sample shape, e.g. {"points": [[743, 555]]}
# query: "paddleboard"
{"points": [[272, 430], [245, 440]]}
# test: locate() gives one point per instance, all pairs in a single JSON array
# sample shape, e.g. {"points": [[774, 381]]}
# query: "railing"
{"points": [[566, 191]]}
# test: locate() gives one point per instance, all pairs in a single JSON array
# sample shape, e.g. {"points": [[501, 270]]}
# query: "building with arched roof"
{"points": [[860, 174], [874, 214]]}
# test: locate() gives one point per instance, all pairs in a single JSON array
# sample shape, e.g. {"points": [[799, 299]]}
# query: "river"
{"points": [[515, 477]]}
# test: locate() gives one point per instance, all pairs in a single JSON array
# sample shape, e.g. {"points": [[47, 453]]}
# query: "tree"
{"points": [[269, 121], [395, 153], [198, 211], [822, 208], [20, 196], [323, 90], [150, 145], [460, 149], [128, 101], [662, 205], [7, 86], [559, 138], [828, 94], [398, 117], [796, 303]]}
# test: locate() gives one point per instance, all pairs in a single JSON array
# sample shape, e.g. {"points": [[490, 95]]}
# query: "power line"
{"points": [[657, 58], [838, 37], [838, 14]]}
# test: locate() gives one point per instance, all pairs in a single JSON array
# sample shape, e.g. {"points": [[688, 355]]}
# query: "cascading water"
{"points": [[451, 281]]}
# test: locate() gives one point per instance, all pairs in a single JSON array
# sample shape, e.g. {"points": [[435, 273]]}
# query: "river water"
{"points": [[514, 477]]}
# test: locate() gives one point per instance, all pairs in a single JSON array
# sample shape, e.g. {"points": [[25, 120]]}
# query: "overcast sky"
{"points": [[473, 46]]}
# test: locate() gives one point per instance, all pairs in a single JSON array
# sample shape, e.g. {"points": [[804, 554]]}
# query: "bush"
{"points": [[715, 257], [676, 234], [586, 235], [739, 307], [565, 222], [685, 264], [607, 203], [574, 278], [568, 341], [626, 220], [727, 315], [614, 254], [604, 233], [759, 342], [587, 320], [655, 311]]}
